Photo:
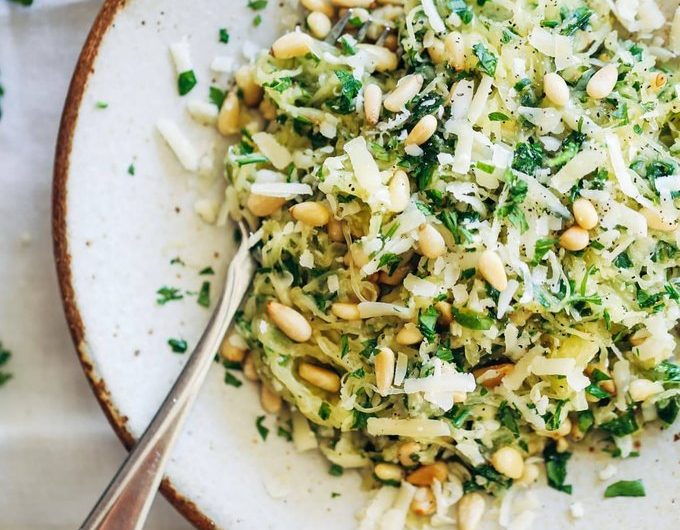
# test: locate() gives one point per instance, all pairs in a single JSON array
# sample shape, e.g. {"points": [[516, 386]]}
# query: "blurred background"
{"points": [[57, 451]]}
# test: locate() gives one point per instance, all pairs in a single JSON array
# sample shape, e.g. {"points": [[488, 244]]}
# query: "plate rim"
{"points": [[69, 120]]}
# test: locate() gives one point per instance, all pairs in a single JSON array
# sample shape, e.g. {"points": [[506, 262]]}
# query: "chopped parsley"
{"points": [[101, 105], [349, 90], [5, 356], [510, 209], [257, 5], [186, 82], [556, 468], [168, 294], [621, 426], [131, 169], [324, 411], [231, 379], [207, 271], [336, 470], [224, 36], [178, 345], [257, 20], [261, 429], [498, 116], [487, 60], [472, 320], [204, 295], [427, 323], [625, 488], [216, 96]]}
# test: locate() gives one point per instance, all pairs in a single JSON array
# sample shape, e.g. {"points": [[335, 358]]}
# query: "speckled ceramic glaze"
{"points": [[115, 237]]}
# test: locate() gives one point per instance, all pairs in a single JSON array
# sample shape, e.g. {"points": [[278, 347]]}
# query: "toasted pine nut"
{"points": [[422, 131], [391, 42], [470, 511], [383, 59], [293, 44], [562, 445], [268, 109], [585, 213], [602, 83], [445, 313], [576, 434], [400, 191], [658, 81], [319, 24], [352, 3], [245, 80], [491, 268], [288, 320], [638, 337], [556, 89], [455, 50], [262, 205], [311, 213], [642, 389], [408, 453], [345, 311], [384, 370], [608, 386], [529, 475], [320, 377], [391, 472], [430, 241], [228, 118], [492, 376], [426, 475], [508, 461], [437, 51], [656, 222], [335, 230], [424, 502], [249, 371], [574, 238], [320, 5], [372, 103], [409, 335], [407, 88], [270, 400], [231, 353], [396, 277]]}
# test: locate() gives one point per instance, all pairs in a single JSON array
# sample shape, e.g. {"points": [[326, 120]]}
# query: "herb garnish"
{"points": [[625, 488], [261, 429], [178, 345]]}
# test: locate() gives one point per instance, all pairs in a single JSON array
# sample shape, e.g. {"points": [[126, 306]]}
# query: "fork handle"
{"points": [[125, 503]]}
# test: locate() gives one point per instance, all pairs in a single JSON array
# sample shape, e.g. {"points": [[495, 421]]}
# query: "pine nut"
{"points": [[384, 370], [346, 311], [288, 320], [562, 445], [608, 386], [230, 112], [311, 213], [319, 24], [424, 502], [268, 109], [400, 191], [437, 51], [270, 400], [470, 511], [508, 461], [430, 241], [426, 475], [409, 335], [324, 6], [388, 472], [335, 230], [263, 206], [231, 353], [294, 44], [556, 89], [445, 313], [642, 389], [407, 88], [574, 238], [455, 50], [602, 83], [492, 376], [529, 475], [491, 268], [245, 80], [658, 81], [408, 453], [640, 336], [322, 378], [391, 42], [372, 103], [576, 434], [422, 131], [352, 3], [585, 214], [383, 59], [249, 371], [396, 277], [656, 222]]}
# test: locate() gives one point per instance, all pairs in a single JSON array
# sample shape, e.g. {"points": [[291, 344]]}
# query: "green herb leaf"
{"points": [[541, 248], [101, 105], [186, 81], [509, 417], [168, 294], [131, 169], [244, 160], [224, 35], [528, 157], [204, 295], [427, 323], [349, 90], [556, 467], [389, 260], [257, 5], [336, 470], [232, 380], [344, 345], [577, 21], [217, 96], [261, 429], [487, 60], [621, 426], [597, 392], [471, 319], [178, 345], [257, 20], [498, 116], [625, 488], [370, 346], [324, 411]]}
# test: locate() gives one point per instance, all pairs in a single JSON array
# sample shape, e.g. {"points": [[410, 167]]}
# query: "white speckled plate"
{"points": [[115, 236]]}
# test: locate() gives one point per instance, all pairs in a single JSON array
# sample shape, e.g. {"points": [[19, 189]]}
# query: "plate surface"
{"points": [[115, 237]]}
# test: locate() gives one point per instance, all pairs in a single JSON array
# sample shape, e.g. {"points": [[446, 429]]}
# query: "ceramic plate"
{"points": [[116, 237]]}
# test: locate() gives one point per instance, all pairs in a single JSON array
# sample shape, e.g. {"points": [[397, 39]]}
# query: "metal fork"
{"points": [[125, 503]]}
